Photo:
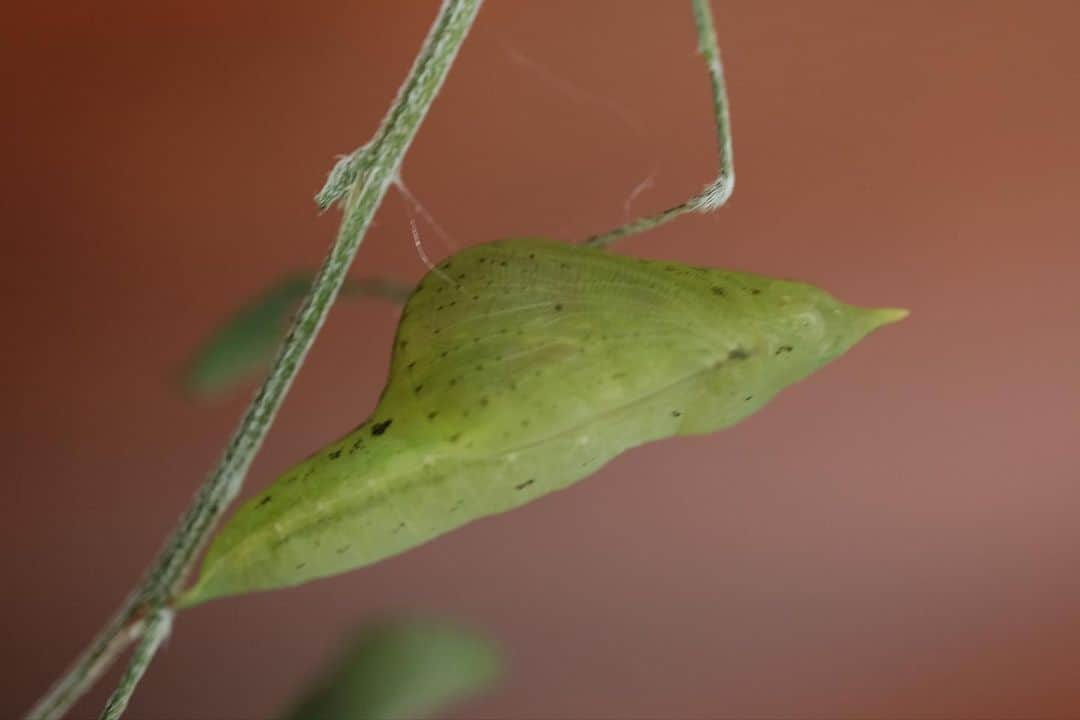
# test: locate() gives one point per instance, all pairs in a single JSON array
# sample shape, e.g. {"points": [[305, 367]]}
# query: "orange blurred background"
{"points": [[895, 538]]}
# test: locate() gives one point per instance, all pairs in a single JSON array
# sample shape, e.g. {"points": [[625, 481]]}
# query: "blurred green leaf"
{"points": [[245, 342], [402, 669], [244, 345]]}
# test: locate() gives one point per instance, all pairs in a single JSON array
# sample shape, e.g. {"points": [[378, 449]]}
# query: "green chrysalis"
{"points": [[520, 367]]}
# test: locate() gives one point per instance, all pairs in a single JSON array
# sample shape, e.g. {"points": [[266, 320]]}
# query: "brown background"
{"points": [[896, 537]]}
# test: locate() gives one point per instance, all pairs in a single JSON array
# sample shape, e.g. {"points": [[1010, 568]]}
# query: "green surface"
{"points": [[520, 367], [406, 668]]}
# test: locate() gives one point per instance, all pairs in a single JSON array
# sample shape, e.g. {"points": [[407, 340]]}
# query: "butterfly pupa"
{"points": [[519, 367]]}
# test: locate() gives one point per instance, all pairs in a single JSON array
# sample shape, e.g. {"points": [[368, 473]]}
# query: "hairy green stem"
{"points": [[364, 192], [716, 193], [155, 630]]}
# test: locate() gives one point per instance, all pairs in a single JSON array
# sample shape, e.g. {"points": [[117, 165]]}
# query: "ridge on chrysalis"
{"points": [[520, 367]]}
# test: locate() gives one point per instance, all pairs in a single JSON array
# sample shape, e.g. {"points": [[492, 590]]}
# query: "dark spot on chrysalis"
{"points": [[456, 505], [356, 445], [525, 484], [784, 349], [433, 414], [525, 423], [301, 566], [436, 331], [455, 437], [418, 388], [461, 276], [558, 306], [453, 382], [503, 263], [399, 528], [564, 266], [532, 256], [380, 427], [265, 500], [755, 291], [479, 367], [411, 365], [484, 402], [343, 549], [717, 290], [403, 344], [335, 454], [444, 353], [748, 398], [676, 413], [738, 354], [475, 297]]}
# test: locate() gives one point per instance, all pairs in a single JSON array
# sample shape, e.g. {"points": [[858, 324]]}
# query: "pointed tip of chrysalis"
{"points": [[871, 319], [855, 323], [189, 598], [888, 316], [204, 589]]}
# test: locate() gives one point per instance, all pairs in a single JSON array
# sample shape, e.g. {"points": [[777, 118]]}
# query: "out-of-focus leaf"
{"points": [[245, 342], [402, 669], [244, 345]]}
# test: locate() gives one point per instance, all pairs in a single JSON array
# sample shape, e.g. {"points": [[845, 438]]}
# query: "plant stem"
{"points": [[382, 159], [155, 631], [716, 193]]}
